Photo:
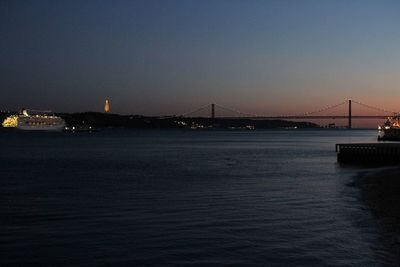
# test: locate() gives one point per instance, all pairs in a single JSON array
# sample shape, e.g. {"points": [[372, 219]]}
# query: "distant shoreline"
{"points": [[106, 120], [109, 120]]}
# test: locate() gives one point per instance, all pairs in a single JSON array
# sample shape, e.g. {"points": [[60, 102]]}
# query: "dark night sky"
{"points": [[163, 57]]}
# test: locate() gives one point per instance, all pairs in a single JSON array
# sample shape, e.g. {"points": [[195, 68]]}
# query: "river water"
{"points": [[185, 198]]}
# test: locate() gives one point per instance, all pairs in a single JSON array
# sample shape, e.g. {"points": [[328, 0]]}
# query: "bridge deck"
{"points": [[308, 117]]}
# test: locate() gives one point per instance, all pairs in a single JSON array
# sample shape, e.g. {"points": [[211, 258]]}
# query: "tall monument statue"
{"points": [[107, 106]]}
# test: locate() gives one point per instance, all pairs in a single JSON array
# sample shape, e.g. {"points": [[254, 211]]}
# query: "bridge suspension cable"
{"points": [[320, 110], [375, 108], [246, 114], [243, 114], [300, 115], [196, 110]]}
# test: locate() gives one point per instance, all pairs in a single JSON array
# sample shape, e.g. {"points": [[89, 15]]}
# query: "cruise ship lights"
{"points": [[10, 121]]}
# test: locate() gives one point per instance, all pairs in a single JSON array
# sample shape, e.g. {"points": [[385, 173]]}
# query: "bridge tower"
{"points": [[213, 111], [349, 126]]}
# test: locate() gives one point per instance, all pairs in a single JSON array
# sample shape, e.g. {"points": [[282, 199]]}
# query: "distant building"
{"points": [[107, 106]]}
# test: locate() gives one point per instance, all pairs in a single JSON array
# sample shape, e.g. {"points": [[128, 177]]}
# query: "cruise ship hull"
{"points": [[29, 120], [40, 122], [56, 128]]}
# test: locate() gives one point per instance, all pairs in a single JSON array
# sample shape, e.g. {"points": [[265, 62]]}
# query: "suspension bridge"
{"points": [[312, 115]]}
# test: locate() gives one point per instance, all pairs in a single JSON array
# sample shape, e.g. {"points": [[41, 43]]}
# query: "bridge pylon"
{"points": [[349, 125]]}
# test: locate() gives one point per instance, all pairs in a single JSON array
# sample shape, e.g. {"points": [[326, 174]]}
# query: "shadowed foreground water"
{"points": [[157, 198]]}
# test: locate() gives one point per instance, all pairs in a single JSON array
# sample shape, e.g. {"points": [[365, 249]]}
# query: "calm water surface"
{"points": [[159, 198]]}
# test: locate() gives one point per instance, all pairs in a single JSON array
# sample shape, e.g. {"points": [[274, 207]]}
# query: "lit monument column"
{"points": [[107, 106]]}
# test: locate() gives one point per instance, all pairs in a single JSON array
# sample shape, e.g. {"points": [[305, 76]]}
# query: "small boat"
{"points": [[390, 130]]}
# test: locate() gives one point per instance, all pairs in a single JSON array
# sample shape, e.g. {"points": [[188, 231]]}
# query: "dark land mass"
{"points": [[103, 120], [380, 191]]}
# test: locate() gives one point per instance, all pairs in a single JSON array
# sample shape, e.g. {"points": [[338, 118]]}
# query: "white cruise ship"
{"points": [[39, 120]]}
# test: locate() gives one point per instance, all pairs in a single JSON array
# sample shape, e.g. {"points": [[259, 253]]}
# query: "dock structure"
{"points": [[369, 153]]}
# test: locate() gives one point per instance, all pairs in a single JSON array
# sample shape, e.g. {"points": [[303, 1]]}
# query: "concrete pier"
{"points": [[369, 153]]}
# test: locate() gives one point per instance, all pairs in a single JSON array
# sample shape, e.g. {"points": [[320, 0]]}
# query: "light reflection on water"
{"points": [[254, 198]]}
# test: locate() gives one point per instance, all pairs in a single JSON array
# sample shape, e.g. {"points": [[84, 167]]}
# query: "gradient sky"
{"points": [[168, 57]]}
